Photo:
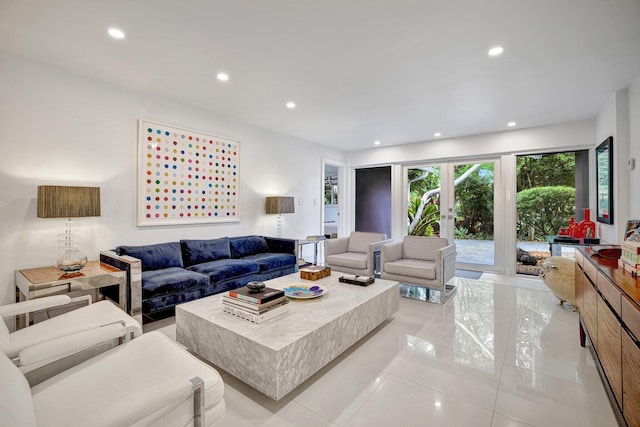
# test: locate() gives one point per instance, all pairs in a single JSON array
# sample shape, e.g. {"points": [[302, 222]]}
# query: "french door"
{"points": [[456, 200]]}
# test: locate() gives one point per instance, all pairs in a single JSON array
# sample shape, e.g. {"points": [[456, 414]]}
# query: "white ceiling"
{"points": [[359, 70]]}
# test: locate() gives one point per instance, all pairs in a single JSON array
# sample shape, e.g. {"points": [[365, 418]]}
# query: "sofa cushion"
{"points": [[270, 261], [359, 241], [348, 259], [418, 247], [412, 267], [171, 280], [154, 257], [223, 269], [247, 245], [199, 251]]}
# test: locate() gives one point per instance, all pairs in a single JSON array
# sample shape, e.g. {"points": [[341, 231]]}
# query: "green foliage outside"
{"points": [[543, 211], [546, 170], [428, 224], [474, 202], [429, 221]]}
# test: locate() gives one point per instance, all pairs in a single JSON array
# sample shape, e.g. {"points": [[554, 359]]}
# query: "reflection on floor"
{"points": [[501, 352]]}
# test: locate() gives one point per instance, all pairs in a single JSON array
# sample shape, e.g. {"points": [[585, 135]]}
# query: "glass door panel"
{"points": [[424, 188], [455, 201], [474, 191]]}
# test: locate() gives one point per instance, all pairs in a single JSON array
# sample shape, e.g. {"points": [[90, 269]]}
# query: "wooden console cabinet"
{"points": [[609, 302]]}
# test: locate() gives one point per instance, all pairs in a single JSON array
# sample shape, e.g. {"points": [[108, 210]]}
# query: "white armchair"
{"points": [[66, 340], [354, 254], [148, 381], [426, 262]]}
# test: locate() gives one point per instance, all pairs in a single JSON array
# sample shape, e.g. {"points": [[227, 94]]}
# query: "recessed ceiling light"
{"points": [[223, 77], [437, 134], [376, 142], [291, 105], [116, 33], [496, 51], [511, 124]]}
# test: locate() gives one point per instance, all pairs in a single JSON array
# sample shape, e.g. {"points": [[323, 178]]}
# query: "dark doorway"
{"points": [[373, 200]]}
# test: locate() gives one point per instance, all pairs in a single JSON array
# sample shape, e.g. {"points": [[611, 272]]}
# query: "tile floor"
{"points": [[501, 352]]}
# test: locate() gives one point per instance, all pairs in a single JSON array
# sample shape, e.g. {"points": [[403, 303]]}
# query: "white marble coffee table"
{"points": [[278, 355]]}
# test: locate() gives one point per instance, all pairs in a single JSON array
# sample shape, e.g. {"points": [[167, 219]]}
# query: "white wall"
{"points": [[58, 128], [613, 120], [634, 148]]}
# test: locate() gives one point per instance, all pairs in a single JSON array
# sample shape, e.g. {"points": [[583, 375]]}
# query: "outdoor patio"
{"points": [[482, 251]]}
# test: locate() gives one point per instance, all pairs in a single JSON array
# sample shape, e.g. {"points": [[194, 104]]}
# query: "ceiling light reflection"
{"points": [[116, 33], [496, 51]]}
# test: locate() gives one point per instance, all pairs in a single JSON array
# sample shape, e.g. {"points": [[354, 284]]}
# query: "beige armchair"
{"points": [[354, 254], [424, 262], [150, 380]]}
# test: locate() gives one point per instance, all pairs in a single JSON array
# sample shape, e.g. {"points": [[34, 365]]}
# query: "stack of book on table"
{"points": [[629, 257], [255, 307]]}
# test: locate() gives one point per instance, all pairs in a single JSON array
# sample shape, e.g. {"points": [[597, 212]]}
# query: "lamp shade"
{"points": [[280, 205], [68, 202]]}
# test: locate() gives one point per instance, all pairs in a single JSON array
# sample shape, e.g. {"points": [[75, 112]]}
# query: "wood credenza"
{"points": [[609, 302]]}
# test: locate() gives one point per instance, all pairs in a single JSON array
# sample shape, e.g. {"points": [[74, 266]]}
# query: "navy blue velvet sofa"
{"points": [[166, 274]]}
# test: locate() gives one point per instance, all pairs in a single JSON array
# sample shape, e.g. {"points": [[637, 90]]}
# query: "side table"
{"points": [[44, 281], [315, 243]]}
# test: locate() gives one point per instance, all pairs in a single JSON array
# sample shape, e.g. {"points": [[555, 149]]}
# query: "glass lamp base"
{"points": [[71, 260]]}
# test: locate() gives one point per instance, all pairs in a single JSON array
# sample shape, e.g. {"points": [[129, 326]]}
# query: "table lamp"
{"points": [[68, 202], [280, 205]]}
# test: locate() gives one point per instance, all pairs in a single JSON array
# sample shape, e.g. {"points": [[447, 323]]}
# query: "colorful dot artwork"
{"points": [[187, 176]]}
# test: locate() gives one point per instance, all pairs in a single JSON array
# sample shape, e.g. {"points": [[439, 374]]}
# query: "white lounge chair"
{"points": [[63, 341], [148, 381]]}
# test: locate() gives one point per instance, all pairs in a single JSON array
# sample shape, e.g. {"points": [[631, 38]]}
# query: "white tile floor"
{"points": [[502, 352]]}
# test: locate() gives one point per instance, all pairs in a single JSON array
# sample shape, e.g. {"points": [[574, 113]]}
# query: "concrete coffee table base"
{"points": [[278, 355]]}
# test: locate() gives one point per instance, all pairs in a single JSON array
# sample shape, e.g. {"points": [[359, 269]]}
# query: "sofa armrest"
{"points": [[390, 252], [375, 246], [65, 346], [336, 246], [29, 306], [279, 245], [371, 258], [45, 360], [446, 263], [133, 267]]}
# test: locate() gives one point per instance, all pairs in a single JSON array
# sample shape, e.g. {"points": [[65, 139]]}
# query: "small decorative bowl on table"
{"points": [[304, 291], [255, 286]]}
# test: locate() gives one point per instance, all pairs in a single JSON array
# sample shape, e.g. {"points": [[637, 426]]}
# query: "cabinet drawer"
{"points": [[631, 316], [630, 381], [610, 292], [579, 258], [590, 270], [589, 311], [579, 285], [609, 347]]}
